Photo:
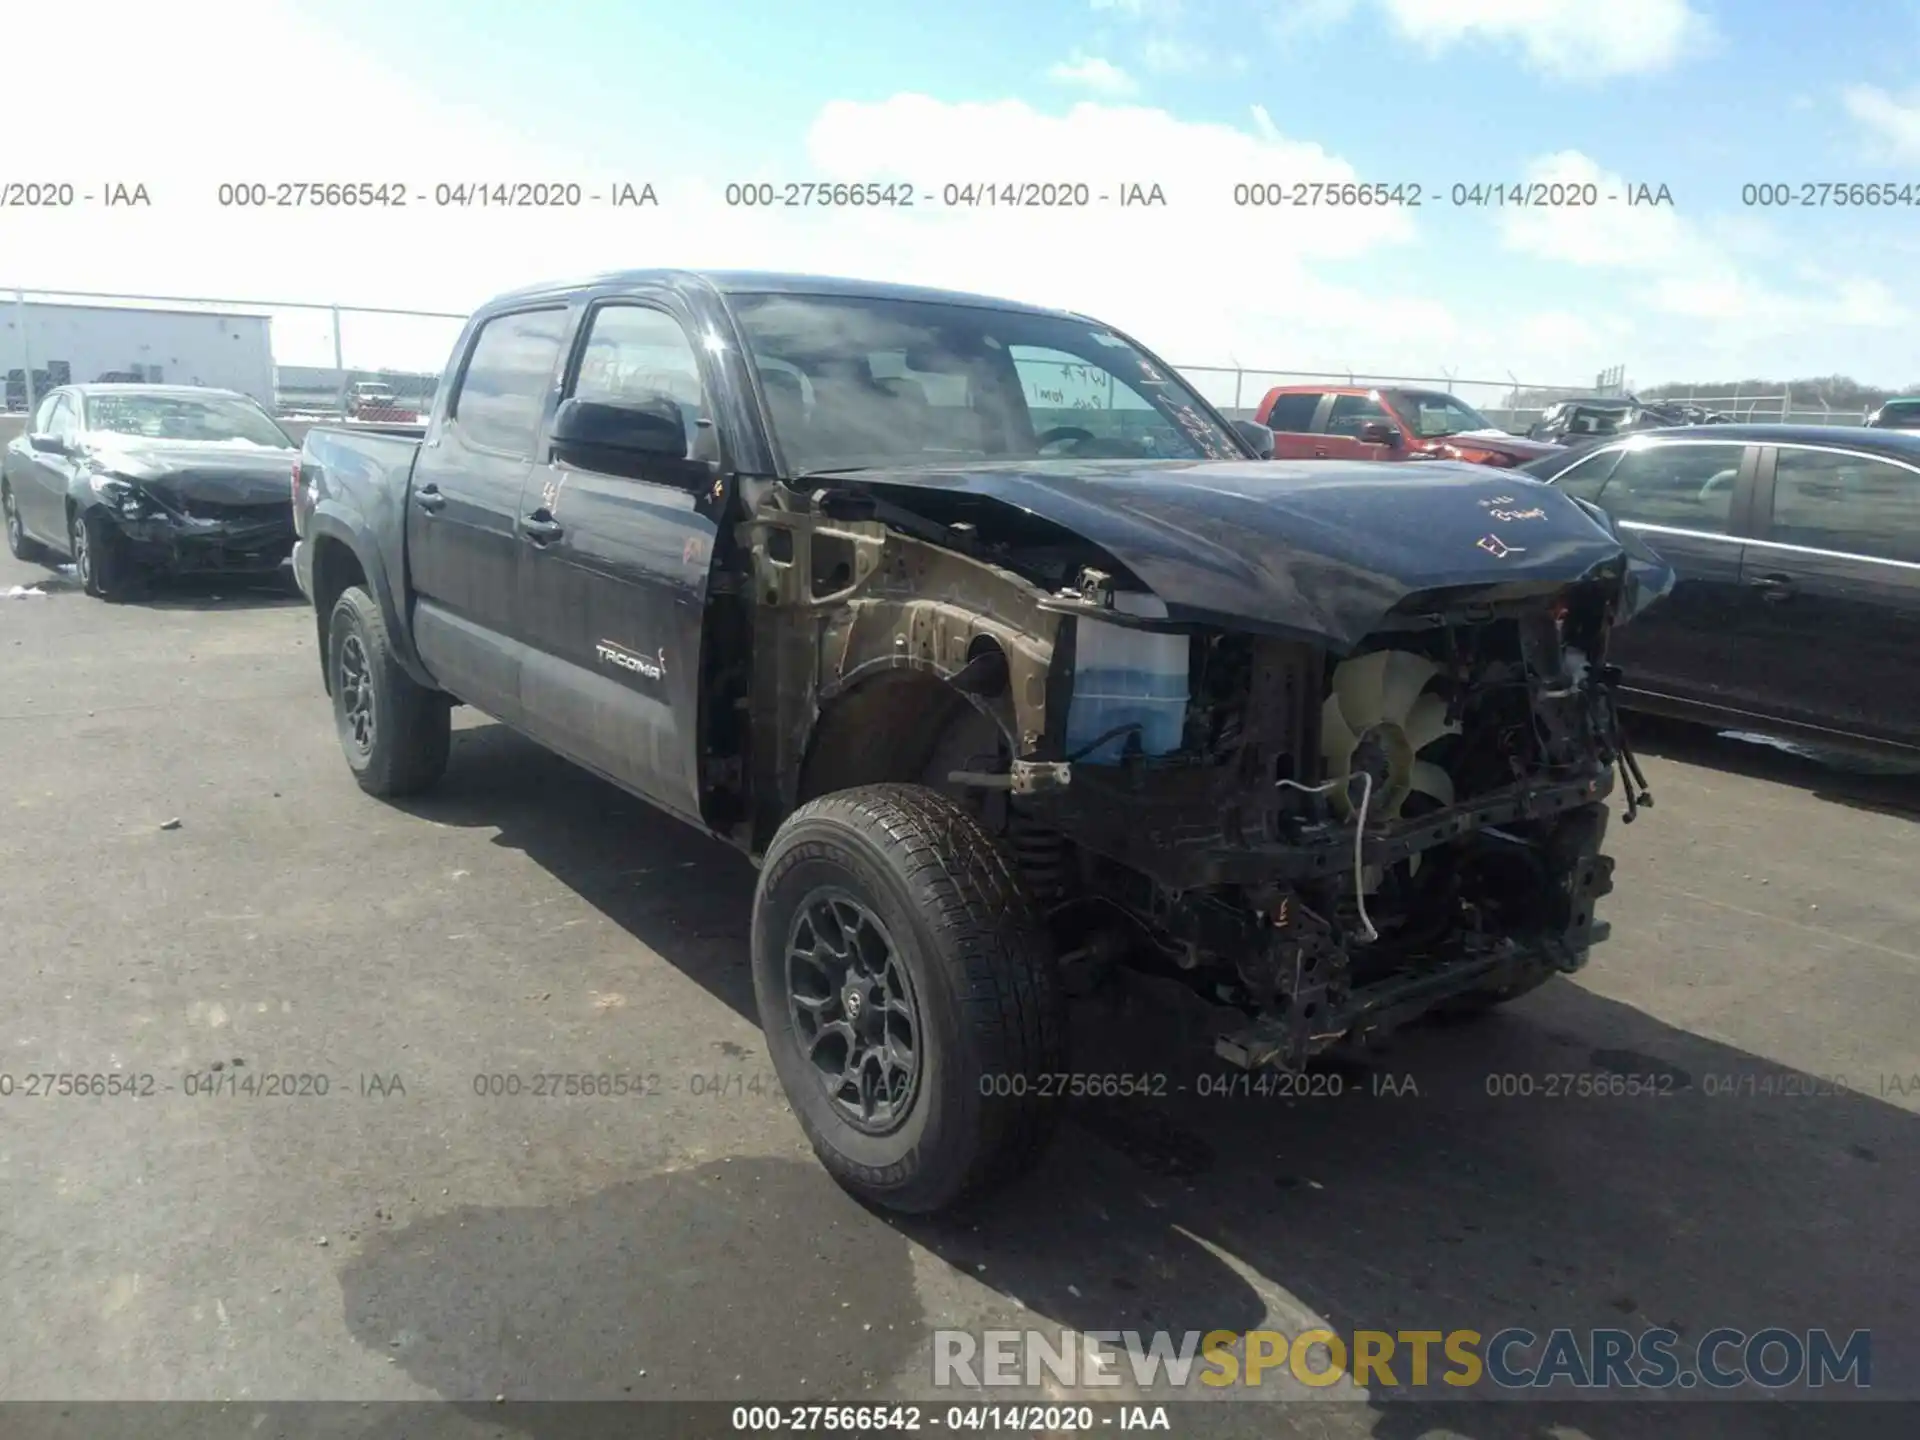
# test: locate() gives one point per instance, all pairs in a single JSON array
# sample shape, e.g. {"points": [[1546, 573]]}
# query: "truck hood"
{"points": [[1319, 551], [214, 473]]}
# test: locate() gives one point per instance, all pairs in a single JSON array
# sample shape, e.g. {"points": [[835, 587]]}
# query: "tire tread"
{"points": [[986, 928], [415, 730]]}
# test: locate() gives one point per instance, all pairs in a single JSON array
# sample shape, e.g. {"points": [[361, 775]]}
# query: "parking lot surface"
{"points": [[195, 891]]}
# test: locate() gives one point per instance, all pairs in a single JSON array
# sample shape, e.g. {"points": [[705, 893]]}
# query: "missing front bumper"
{"points": [[1318, 1009]]}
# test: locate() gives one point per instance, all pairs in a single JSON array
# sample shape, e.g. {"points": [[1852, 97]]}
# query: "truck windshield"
{"points": [[213, 419], [859, 383], [1433, 413]]}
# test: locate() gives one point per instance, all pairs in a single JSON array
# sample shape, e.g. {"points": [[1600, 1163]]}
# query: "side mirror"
{"points": [[48, 444], [1256, 435], [1378, 432], [622, 438]]}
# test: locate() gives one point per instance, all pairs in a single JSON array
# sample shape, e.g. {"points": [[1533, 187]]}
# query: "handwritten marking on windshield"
{"points": [[1499, 548], [1511, 515]]}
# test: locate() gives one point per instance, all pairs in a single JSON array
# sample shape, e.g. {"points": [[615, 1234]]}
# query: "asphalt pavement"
{"points": [[330, 1191]]}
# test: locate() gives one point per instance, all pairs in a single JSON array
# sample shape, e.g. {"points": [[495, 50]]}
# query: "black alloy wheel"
{"points": [[353, 683], [853, 1007]]}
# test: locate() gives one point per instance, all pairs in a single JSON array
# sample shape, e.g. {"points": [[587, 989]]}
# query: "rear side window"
{"points": [[1293, 413], [1856, 504], [508, 374], [1350, 412], [1687, 487]]}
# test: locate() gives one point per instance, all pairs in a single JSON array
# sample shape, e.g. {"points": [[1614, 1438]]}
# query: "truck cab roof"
{"points": [[1329, 389], [767, 282]]}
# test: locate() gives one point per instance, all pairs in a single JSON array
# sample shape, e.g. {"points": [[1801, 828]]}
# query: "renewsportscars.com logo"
{"points": [[1512, 1359]]}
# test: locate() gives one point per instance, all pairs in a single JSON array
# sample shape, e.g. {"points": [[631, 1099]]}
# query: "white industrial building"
{"points": [[74, 344]]}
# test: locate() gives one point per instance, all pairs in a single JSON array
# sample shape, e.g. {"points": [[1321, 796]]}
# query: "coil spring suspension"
{"points": [[1040, 853]]}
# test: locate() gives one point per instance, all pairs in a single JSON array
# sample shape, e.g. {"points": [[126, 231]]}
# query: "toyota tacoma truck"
{"points": [[995, 703]]}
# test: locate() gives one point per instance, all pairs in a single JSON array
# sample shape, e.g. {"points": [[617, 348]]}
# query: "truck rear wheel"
{"points": [[395, 732], [909, 996]]}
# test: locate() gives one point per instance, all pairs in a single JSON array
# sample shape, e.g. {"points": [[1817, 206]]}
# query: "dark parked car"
{"points": [[1797, 550], [1900, 414], [1577, 421], [994, 702], [130, 481]]}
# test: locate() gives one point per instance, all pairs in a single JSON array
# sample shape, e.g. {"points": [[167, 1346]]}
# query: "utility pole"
{"points": [[26, 350], [339, 365]]}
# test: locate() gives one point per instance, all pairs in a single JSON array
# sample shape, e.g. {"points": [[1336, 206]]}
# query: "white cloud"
{"points": [[1089, 72], [230, 117], [1685, 286], [1247, 284], [1201, 280], [1611, 232], [1168, 54], [1195, 279], [1294, 19], [1164, 48], [1571, 38], [1892, 125]]}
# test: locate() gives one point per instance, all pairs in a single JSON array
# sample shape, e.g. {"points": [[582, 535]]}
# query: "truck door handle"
{"points": [[429, 499], [540, 527], [1774, 587]]}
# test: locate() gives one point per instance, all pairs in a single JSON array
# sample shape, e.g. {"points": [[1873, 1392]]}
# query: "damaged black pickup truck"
{"points": [[1007, 659]]}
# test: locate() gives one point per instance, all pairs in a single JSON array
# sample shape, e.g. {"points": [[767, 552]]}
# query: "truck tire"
{"points": [[909, 997], [395, 732]]}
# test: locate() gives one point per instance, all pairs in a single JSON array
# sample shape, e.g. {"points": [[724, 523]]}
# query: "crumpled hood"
{"points": [[1317, 550], [1499, 443], [221, 474]]}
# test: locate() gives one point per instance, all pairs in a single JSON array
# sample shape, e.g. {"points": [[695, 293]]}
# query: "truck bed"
{"points": [[354, 484]]}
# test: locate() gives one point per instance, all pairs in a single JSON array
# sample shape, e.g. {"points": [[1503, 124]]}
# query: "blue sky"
{"points": [[1701, 96]]}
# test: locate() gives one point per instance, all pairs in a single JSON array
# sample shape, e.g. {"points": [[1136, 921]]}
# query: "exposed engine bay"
{"points": [[1328, 839], [1336, 843]]}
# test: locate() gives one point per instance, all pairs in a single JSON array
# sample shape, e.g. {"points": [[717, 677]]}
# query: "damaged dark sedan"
{"points": [[130, 482], [1008, 661]]}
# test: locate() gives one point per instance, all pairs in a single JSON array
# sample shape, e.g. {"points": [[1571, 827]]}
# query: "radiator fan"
{"points": [[1376, 722]]}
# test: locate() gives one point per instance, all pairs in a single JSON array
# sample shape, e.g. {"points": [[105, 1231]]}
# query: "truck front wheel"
{"points": [[909, 996], [395, 731]]}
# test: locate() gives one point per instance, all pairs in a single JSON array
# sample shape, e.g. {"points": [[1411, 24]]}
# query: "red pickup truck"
{"points": [[1332, 422]]}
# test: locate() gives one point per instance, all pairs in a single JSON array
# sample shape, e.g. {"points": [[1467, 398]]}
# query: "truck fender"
{"points": [[332, 524], [911, 699]]}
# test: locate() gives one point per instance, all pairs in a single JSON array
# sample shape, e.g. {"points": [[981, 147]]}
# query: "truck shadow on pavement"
{"points": [[1734, 1192], [1464, 1178], [1885, 786]]}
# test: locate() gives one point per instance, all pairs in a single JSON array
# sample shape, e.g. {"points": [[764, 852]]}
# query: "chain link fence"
{"points": [[1786, 407], [311, 362]]}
